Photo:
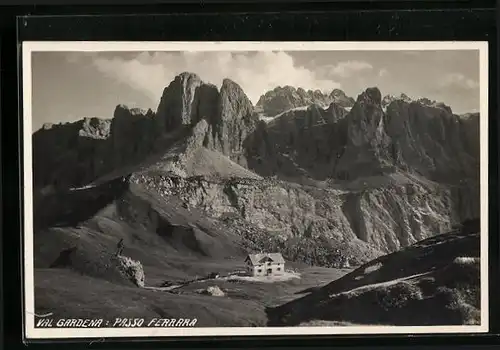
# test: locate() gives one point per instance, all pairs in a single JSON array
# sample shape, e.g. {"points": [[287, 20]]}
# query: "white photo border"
{"points": [[28, 47]]}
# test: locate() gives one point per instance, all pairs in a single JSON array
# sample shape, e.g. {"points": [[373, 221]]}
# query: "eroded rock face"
{"points": [[208, 103], [185, 101], [74, 154], [178, 102], [234, 123], [299, 143], [132, 135], [432, 141], [388, 99], [69, 154], [214, 291], [386, 218], [366, 152], [105, 265]]}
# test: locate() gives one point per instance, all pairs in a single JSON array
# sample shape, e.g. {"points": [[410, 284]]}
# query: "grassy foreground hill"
{"points": [[433, 282]]}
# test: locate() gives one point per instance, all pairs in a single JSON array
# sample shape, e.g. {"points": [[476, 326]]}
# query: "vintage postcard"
{"points": [[254, 188]]}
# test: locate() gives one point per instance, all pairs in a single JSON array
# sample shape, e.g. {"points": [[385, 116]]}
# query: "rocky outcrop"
{"points": [[366, 152], [130, 269], [228, 113], [285, 98], [433, 142], [95, 128], [369, 140], [469, 126], [339, 97], [409, 136]]}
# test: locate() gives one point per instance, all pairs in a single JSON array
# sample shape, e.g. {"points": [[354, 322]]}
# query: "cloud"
{"points": [[383, 72], [458, 81], [346, 69], [256, 72]]}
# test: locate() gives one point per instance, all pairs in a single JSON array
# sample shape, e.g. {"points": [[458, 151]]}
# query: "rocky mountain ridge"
{"points": [[287, 97], [386, 218], [388, 99], [374, 178]]}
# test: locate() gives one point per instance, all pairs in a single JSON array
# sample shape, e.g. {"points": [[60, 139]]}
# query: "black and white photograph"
{"points": [[254, 188]]}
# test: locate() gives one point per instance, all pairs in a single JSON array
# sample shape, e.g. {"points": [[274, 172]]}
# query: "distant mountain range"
{"points": [[285, 98], [387, 171]]}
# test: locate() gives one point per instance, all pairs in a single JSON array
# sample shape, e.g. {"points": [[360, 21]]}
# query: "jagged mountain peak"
{"points": [[187, 76], [388, 99], [426, 101], [122, 109], [231, 85], [433, 103], [423, 101], [338, 93], [371, 95], [404, 96], [286, 88], [234, 104]]}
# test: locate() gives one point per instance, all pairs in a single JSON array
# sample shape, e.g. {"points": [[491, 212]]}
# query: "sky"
{"points": [[68, 86]]}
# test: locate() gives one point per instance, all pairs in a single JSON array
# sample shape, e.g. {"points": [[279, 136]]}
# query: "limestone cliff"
{"points": [[387, 217]]}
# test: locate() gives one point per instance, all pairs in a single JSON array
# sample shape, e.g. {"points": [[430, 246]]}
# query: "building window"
{"points": [[278, 269], [259, 270]]}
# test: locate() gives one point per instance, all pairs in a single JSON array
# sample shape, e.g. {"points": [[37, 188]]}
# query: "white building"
{"points": [[265, 264]]}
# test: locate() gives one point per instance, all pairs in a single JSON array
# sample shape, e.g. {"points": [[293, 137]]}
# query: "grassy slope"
{"points": [[420, 285], [171, 242], [67, 294]]}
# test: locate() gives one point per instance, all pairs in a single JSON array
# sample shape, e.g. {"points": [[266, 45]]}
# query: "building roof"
{"points": [[263, 257]]}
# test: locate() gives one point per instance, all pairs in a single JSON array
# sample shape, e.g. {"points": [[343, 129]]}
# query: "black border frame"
{"points": [[382, 25]]}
